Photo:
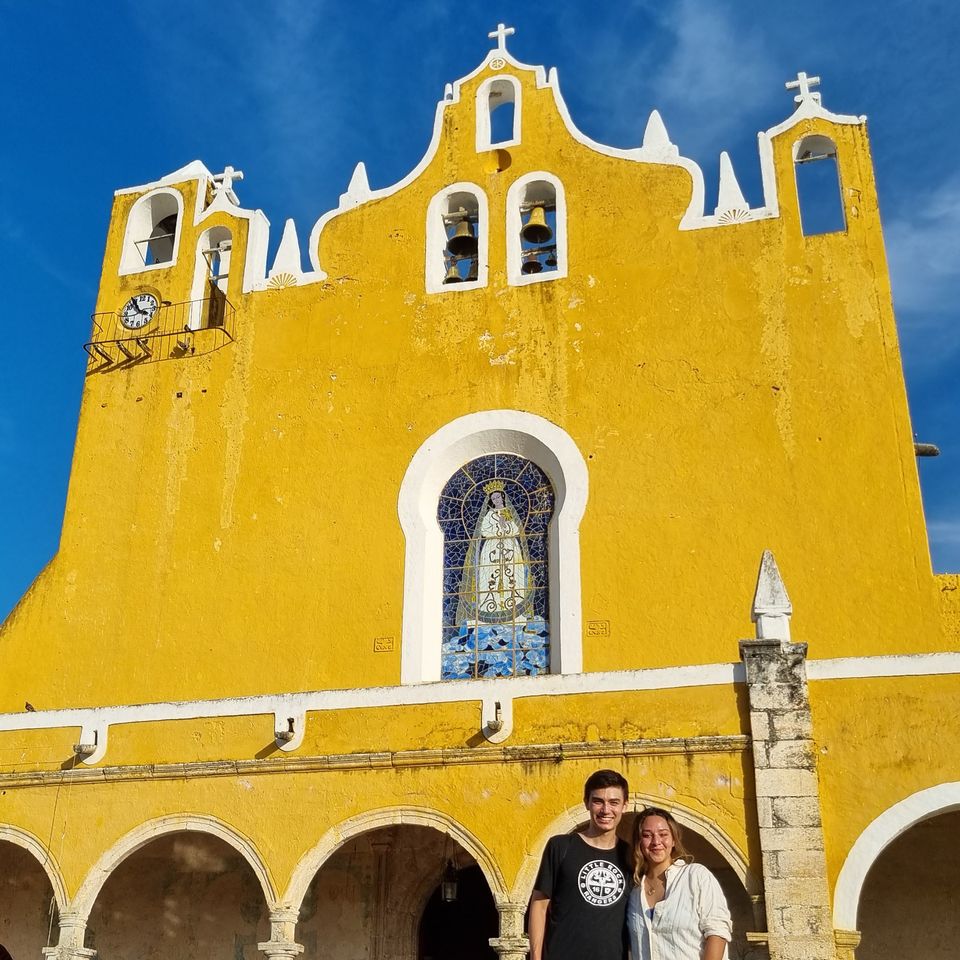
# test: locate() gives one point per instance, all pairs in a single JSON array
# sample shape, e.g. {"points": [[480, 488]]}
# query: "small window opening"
{"points": [[818, 187], [461, 223], [538, 232], [501, 119], [498, 113], [158, 247]]}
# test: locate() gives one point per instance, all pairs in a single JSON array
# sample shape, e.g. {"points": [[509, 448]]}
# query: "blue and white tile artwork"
{"points": [[494, 514]]}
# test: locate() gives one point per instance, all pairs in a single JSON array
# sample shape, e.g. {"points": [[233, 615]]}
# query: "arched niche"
{"points": [[375, 893], [150, 831], [375, 820], [498, 113], [819, 189], [532, 196], [493, 431], [881, 832], [31, 895], [211, 275], [152, 236], [457, 232], [188, 894]]}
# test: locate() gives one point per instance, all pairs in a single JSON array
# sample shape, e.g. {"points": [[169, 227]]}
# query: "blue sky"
{"points": [[107, 95]]}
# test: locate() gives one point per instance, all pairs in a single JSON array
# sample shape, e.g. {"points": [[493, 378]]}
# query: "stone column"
{"points": [[796, 891], [281, 945], [512, 944], [847, 943], [70, 946]]}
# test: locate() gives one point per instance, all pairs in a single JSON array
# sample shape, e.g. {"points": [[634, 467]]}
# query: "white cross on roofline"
{"points": [[803, 83], [501, 34], [223, 183]]}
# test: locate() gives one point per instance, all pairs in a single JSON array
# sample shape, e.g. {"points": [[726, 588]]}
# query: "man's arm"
{"points": [[537, 924]]}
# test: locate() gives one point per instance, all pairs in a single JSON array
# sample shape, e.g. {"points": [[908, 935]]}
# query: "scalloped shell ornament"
{"points": [[281, 280], [734, 215]]}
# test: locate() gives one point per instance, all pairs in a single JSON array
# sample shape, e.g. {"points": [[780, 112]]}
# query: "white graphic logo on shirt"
{"points": [[601, 883]]}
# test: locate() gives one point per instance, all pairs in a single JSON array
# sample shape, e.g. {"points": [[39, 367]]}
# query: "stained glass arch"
{"points": [[495, 514]]}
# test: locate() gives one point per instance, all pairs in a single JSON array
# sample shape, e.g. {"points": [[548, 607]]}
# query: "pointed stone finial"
{"points": [[358, 189], [771, 606], [288, 253], [730, 198], [655, 137]]}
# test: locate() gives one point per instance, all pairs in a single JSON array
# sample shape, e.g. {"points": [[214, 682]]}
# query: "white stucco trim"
{"points": [[258, 237], [576, 816], [515, 276], [142, 835], [456, 443], [877, 837], [904, 665], [312, 861], [436, 240], [42, 855], [486, 693], [484, 125]]}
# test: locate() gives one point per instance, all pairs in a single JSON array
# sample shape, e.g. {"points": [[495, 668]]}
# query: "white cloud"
{"points": [[718, 72], [945, 532], [922, 248]]}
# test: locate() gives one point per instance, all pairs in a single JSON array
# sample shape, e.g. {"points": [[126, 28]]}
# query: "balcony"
{"points": [[173, 331]]}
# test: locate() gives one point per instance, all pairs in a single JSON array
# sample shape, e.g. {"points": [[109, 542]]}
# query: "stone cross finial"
{"points": [[223, 183], [501, 34], [803, 83]]}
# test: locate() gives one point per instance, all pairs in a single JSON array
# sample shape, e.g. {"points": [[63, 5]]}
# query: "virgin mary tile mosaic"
{"points": [[494, 513]]}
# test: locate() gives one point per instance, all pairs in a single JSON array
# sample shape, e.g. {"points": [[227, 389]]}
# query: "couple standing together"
{"points": [[596, 895]]}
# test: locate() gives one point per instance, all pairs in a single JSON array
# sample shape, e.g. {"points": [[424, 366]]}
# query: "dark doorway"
{"points": [[460, 930]]}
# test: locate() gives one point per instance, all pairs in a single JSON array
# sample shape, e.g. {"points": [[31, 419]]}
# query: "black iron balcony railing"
{"points": [[175, 330]]}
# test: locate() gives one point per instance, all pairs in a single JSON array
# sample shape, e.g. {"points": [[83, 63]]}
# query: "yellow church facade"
{"points": [[542, 465]]}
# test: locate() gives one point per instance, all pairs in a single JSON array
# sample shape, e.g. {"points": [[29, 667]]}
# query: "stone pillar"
{"points": [[796, 891], [70, 946], [512, 944], [281, 945], [847, 943]]}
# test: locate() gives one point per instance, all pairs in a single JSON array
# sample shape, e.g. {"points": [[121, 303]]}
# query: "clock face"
{"points": [[138, 311]]}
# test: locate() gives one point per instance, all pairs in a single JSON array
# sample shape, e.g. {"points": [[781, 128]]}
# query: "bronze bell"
{"points": [[453, 275], [472, 272], [531, 265], [551, 260], [463, 243], [535, 230]]}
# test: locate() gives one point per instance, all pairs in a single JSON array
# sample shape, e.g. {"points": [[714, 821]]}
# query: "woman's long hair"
{"points": [[679, 851]]}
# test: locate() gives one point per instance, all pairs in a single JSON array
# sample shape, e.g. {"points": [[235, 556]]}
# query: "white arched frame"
{"points": [[457, 443], [899, 818], [140, 836], [507, 89], [144, 216], [21, 838], [437, 239], [312, 861], [515, 197]]}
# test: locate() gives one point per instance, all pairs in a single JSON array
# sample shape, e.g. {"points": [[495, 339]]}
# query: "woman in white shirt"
{"points": [[677, 910]]}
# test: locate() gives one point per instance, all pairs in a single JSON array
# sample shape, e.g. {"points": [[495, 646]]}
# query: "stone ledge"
{"points": [[531, 753]]}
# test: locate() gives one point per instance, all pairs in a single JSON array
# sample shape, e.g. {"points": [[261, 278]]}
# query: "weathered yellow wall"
{"points": [[731, 389], [880, 741]]}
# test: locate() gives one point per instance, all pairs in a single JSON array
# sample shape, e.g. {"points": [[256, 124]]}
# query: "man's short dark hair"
{"points": [[601, 779]]}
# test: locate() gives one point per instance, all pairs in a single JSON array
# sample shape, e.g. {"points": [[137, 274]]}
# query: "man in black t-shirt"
{"points": [[580, 897]]}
